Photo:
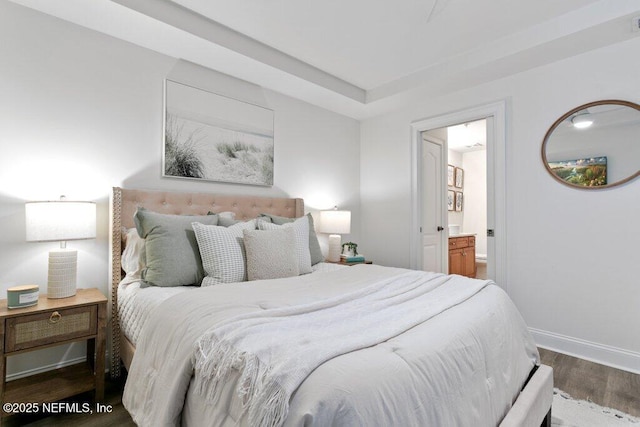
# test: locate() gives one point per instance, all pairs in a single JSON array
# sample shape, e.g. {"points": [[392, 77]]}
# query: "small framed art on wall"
{"points": [[459, 201], [459, 177]]}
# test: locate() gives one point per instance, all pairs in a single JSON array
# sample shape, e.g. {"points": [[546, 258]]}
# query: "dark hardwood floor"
{"points": [[600, 384], [113, 397], [582, 379]]}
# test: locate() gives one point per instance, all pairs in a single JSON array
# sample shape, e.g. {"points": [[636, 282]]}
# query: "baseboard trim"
{"points": [[599, 353], [40, 369]]}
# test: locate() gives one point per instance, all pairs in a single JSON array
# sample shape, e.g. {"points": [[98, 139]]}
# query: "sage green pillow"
{"points": [[171, 249], [314, 245]]}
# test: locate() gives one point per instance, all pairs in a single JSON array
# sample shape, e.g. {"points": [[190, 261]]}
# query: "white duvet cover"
{"points": [[137, 303], [463, 367]]}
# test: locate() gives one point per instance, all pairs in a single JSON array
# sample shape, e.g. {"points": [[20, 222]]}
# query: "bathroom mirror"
{"points": [[596, 145]]}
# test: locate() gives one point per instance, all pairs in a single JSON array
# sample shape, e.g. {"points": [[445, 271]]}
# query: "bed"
{"points": [[505, 384]]}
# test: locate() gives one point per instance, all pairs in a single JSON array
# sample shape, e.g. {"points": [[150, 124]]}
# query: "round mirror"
{"points": [[596, 145]]}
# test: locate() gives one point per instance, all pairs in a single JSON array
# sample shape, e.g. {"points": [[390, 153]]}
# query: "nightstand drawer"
{"points": [[50, 327]]}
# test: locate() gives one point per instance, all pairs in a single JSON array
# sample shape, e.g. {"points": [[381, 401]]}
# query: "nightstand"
{"points": [[82, 317]]}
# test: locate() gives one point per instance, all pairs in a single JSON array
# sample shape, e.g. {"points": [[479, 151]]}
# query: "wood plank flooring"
{"points": [[581, 379], [481, 270], [600, 384], [113, 396]]}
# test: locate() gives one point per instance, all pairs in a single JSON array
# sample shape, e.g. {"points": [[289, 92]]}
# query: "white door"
{"points": [[433, 218]]}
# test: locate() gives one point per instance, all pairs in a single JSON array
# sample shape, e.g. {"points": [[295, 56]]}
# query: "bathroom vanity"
{"points": [[462, 255]]}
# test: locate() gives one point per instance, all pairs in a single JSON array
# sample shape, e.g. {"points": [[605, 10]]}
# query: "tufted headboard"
{"points": [[123, 205]]}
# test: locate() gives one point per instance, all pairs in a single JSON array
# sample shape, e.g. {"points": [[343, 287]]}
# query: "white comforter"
{"points": [[462, 367], [136, 303]]}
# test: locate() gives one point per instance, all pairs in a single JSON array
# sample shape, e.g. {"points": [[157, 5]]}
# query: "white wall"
{"points": [[82, 112], [572, 254], [474, 164]]}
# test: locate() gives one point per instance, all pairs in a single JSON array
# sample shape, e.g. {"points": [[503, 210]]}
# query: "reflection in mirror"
{"points": [[596, 145]]}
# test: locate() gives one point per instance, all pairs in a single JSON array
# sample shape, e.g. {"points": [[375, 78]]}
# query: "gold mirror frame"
{"points": [[565, 117]]}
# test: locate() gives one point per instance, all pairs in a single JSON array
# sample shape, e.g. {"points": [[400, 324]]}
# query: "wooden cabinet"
{"points": [[49, 323], [462, 256]]}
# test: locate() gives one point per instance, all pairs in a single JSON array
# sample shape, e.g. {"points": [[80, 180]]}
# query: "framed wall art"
{"points": [[459, 201], [450, 175], [459, 178], [211, 137], [451, 200]]}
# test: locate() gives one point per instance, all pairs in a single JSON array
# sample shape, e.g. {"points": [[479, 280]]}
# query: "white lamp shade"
{"points": [[60, 221], [335, 222]]}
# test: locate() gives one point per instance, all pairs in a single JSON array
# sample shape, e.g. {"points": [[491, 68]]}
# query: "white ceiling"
{"points": [[358, 57], [373, 42], [466, 137]]}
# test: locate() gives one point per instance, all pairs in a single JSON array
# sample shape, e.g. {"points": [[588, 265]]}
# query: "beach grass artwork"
{"points": [[588, 172], [215, 138]]}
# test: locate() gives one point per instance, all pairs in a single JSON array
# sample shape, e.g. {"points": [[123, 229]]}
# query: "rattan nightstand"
{"points": [[49, 323]]}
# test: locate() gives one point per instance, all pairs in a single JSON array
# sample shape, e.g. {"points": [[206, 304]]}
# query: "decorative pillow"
{"points": [[226, 219], [314, 245], [171, 251], [301, 228], [132, 256], [271, 254], [222, 252]]}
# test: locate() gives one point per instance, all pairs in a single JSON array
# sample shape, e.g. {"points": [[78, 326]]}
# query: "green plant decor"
{"points": [[351, 247]]}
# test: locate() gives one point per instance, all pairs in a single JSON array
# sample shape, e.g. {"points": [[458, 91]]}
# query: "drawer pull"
{"points": [[55, 317]]}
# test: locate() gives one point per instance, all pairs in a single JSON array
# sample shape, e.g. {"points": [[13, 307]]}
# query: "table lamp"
{"points": [[60, 221], [335, 223]]}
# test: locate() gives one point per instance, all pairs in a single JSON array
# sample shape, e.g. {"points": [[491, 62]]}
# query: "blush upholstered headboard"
{"points": [[123, 205]]}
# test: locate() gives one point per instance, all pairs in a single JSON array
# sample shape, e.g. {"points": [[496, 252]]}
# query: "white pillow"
{"points": [[271, 254], [301, 229], [227, 218], [132, 256], [222, 252]]}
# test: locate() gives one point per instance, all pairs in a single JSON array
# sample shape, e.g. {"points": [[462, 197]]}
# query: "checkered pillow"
{"points": [[222, 252]]}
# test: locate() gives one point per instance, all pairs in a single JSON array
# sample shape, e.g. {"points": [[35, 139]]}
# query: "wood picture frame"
{"points": [[459, 201], [450, 175], [459, 178], [451, 200]]}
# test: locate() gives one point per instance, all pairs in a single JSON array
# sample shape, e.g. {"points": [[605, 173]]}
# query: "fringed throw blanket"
{"points": [[276, 349]]}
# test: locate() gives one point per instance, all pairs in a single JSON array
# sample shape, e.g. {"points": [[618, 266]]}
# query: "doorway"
{"points": [[466, 195], [494, 117]]}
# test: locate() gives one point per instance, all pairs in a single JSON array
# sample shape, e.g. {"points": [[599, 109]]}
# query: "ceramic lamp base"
{"points": [[334, 248], [61, 282]]}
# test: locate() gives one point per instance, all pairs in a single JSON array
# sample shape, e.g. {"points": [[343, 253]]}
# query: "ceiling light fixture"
{"points": [[582, 120]]}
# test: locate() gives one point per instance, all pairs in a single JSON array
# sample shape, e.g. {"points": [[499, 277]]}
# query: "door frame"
{"points": [[496, 182]]}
